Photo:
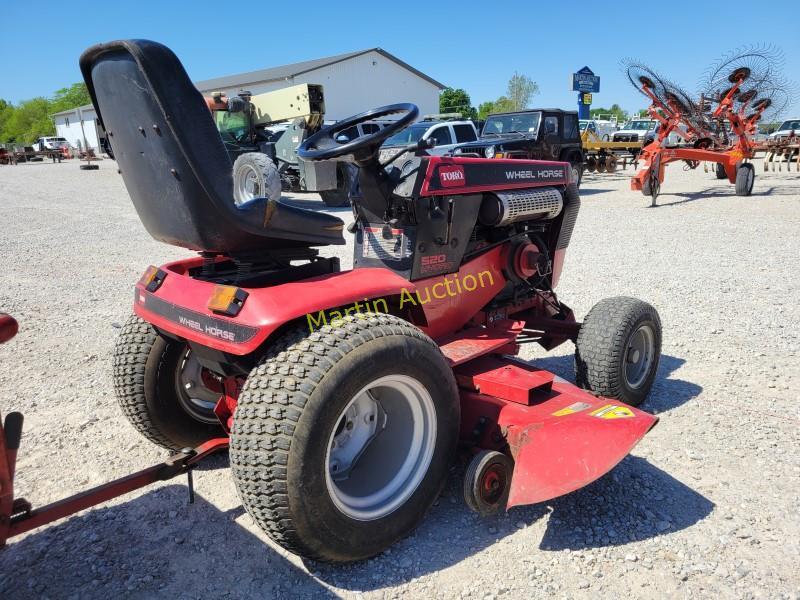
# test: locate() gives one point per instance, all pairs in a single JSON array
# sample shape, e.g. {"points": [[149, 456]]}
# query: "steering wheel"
{"points": [[323, 145]]}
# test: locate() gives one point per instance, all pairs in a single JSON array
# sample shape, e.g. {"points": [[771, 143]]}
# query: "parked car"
{"points": [[543, 134], [643, 130], [602, 129], [49, 143], [786, 129], [637, 130], [448, 135]]}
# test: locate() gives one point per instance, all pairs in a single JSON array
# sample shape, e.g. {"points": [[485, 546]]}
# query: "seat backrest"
{"points": [[169, 152]]}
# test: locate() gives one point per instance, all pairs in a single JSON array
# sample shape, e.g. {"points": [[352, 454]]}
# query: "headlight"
{"points": [[489, 152], [458, 151]]}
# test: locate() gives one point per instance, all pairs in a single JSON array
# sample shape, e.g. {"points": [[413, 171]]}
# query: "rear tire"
{"points": [[146, 375], [745, 178], [618, 349], [295, 426], [255, 176]]}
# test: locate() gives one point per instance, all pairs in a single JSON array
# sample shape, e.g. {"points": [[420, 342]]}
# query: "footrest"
{"points": [[505, 379], [471, 343]]}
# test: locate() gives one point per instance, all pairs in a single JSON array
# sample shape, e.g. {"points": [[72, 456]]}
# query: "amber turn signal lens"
{"points": [[152, 279], [227, 300]]}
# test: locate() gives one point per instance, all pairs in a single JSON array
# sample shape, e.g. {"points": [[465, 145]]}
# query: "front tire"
{"points": [[255, 176], [151, 374], [618, 349], [745, 178], [343, 436]]}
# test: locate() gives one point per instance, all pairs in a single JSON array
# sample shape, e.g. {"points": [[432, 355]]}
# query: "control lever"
{"points": [[415, 147]]}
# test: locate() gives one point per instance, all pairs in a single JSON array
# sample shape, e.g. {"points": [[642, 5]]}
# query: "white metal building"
{"points": [[68, 126], [352, 82]]}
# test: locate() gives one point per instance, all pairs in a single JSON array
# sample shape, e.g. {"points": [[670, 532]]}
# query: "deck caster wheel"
{"points": [[719, 170], [618, 349], [745, 178], [487, 481], [342, 437]]}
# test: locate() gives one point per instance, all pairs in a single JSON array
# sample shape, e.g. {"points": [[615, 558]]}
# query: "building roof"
{"points": [[71, 111], [288, 71]]}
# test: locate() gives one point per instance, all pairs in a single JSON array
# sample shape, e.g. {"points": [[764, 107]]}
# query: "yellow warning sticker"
{"points": [[572, 408], [612, 411]]}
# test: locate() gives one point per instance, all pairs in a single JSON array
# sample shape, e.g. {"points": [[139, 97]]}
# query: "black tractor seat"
{"points": [[173, 161]]}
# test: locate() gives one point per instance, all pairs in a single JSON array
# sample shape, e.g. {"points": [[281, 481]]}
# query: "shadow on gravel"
{"points": [[592, 191], [667, 393], [154, 545], [717, 193], [636, 501]]}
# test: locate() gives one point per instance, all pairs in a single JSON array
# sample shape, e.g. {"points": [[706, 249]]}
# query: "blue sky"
{"points": [[475, 49]]}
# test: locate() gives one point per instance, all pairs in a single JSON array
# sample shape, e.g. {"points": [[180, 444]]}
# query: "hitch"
{"points": [[17, 516]]}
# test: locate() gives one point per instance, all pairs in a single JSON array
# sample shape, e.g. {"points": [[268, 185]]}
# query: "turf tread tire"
{"points": [[140, 365], [602, 341], [270, 408]]}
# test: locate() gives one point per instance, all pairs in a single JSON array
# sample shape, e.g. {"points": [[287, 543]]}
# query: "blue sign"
{"points": [[585, 81]]}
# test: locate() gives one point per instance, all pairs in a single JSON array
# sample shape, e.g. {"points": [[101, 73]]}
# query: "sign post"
{"points": [[585, 82]]}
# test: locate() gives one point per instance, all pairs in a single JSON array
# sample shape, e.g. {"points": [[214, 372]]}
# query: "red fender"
{"points": [[561, 437], [179, 305]]}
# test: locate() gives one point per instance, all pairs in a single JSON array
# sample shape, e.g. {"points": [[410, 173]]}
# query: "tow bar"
{"points": [[18, 516]]}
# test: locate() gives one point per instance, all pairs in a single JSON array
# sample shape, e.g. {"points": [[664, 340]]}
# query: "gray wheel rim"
{"points": [[639, 355], [381, 447], [248, 184], [194, 396]]}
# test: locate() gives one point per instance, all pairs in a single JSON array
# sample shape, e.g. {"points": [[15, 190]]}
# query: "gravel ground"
{"points": [[707, 505]]}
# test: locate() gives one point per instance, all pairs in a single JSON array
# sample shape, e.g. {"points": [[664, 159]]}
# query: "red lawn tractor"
{"points": [[346, 395]]}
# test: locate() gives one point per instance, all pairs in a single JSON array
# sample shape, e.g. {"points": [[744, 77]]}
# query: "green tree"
{"points": [[456, 100], [615, 110], [31, 119], [485, 109], [70, 97], [521, 89]]}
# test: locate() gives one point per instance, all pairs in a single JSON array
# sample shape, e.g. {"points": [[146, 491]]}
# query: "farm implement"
{"points": [[345, 396], [605, 156], [780, 152], [718, 127]]}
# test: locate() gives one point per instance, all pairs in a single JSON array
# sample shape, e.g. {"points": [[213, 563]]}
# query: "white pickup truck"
{"points": [[786, 129], [49, 143], [448, 134]]}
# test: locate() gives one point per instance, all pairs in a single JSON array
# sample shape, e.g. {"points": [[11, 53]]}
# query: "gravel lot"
{"points": [[707, 506]]}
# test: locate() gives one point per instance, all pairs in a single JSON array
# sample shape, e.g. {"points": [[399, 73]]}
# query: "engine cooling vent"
{"points": [[512, 206]]}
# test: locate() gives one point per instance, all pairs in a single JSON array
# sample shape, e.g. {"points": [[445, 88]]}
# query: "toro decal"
{"points": [[452, 176]]}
